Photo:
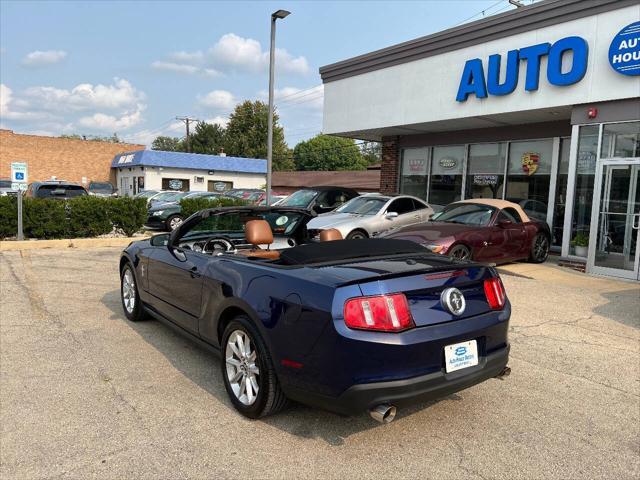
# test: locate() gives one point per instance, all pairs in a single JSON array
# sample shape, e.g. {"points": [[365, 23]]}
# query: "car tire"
{"points": [[252, 367], [539, 249], [173, 222], [460, 252], [357, 235], [129, 296]]}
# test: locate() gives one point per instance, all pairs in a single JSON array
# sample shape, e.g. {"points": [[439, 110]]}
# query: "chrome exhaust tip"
{"points": [[506, 371], [383, 413]]}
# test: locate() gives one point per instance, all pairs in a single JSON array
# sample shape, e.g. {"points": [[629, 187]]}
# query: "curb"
{"points": [[67, 243]]}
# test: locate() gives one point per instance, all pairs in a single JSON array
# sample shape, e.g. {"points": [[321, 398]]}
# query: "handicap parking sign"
{"points": [[19, 172]]}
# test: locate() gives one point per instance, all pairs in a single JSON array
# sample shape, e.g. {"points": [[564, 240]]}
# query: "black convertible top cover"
{"points": [[347, 249]]}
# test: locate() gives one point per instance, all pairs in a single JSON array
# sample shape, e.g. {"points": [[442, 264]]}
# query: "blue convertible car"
{"points": [[345, 325]]}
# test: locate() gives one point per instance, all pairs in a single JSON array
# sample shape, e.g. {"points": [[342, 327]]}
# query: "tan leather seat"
{"points": [[258, 232], [330, 234]]}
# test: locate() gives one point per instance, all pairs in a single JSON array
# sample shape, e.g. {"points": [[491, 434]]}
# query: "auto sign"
{"points": [[624, 52], [175, 184]]}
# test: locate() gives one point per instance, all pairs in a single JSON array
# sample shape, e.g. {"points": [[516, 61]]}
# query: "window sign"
{"points": [[446, 174], [415, 162], [485, 172]]}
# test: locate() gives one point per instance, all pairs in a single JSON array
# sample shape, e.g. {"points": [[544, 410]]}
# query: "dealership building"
{"points": [[159, 170], [539, 105]]}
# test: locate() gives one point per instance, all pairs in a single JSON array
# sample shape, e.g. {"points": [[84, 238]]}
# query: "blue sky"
{"points": [[99, 67]]}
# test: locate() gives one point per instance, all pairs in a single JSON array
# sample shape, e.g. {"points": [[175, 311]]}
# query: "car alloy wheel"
{"points": [[175, 222], [241, 368], [128, 291], [540, 248], [460, 252]]}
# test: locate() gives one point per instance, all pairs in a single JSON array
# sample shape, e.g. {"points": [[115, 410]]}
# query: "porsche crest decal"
{"points": [[530, 163]]}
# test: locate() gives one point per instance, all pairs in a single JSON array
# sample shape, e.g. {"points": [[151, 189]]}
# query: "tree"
{"points": [[207, 138], [94, 138], [324, 152], [371, 152], [246, 135], [168, 144]]}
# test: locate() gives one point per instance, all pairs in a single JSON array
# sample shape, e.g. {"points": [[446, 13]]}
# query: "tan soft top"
{"points": [[497, 203]]}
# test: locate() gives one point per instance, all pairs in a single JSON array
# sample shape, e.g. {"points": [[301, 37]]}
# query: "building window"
{"points": [[219, 186], [485, 172], [585, 176], [181, 184], [621, 140], [529, 176], [413, 179], [446, 174], [561, 193]]}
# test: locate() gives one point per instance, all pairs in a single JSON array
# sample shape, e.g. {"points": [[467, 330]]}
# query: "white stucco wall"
{"points": [[425, 90], [153, 178]]}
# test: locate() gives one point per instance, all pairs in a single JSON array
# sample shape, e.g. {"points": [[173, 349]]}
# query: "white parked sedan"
{"points": [[371, 214]]}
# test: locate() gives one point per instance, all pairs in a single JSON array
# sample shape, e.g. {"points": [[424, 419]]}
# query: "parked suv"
{"points": [[57, 189], [102, 189]]}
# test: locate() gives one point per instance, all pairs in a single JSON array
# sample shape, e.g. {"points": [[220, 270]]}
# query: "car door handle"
{"points": [[194, 272]]}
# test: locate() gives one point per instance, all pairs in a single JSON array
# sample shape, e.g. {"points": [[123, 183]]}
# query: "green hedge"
{"points": [[85, 216], [192, 205]]}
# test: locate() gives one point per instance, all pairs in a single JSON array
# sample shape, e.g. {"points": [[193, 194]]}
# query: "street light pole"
{"points": [[272, 54]]}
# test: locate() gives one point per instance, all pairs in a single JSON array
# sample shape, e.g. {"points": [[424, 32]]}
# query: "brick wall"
{"points": [[390, 165], [63, 158]]}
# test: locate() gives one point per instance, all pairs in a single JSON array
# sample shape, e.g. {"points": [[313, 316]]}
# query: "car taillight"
{"points": [[494, 291], [387, 313]]}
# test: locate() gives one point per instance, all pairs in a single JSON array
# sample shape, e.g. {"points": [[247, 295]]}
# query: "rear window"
{"points": [[102, 187], [5, 183], [60, 191]]}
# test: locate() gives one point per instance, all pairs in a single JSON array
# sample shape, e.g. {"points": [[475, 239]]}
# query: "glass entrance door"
{"points": [[613, 249]]}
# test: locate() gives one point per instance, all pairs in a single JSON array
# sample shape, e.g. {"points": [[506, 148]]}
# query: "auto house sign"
{"points": [[448, 163]]}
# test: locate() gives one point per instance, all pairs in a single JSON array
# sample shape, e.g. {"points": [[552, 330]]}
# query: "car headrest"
{"points": [[330, 234], [258, 232]]}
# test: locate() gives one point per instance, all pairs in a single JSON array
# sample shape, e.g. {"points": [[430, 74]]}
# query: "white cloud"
{"points": [[218, 120], [101, 108], [218, 99], [7, 107], [85, 96], [187, 57], [246, 54], [39, 58], [184, 68], [111, 123]]}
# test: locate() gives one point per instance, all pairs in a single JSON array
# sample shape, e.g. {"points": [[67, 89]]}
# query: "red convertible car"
{"points": [[484, 230]]}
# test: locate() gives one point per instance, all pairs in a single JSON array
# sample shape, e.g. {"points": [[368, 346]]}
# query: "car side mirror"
{"points": [[391, 215], [505, 223], [160, 240]]}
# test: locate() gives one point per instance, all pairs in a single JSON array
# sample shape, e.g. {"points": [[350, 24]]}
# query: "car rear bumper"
{"points": [[361, 397]]}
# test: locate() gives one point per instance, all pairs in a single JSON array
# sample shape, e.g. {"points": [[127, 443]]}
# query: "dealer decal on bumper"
{"points": [[460, 355]]}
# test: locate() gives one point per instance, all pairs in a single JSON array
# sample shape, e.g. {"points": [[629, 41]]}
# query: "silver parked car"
{"points": [[372, 214]]}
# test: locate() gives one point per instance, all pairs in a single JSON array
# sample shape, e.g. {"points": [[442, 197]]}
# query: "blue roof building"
{"points": [[159, 170]]}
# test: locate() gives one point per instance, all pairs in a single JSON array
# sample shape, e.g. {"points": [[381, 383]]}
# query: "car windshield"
{"points": [[282, 223], [363, 205], [146, 194], [301, 198], [102, 187], [466, 213], [169, 196], [60, 191]]}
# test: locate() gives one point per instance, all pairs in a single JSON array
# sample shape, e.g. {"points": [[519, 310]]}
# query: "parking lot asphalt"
{"points": [[84, 393]]}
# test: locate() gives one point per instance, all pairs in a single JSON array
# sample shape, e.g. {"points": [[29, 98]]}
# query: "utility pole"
{"points": [[280, 14], [186, 121]]}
